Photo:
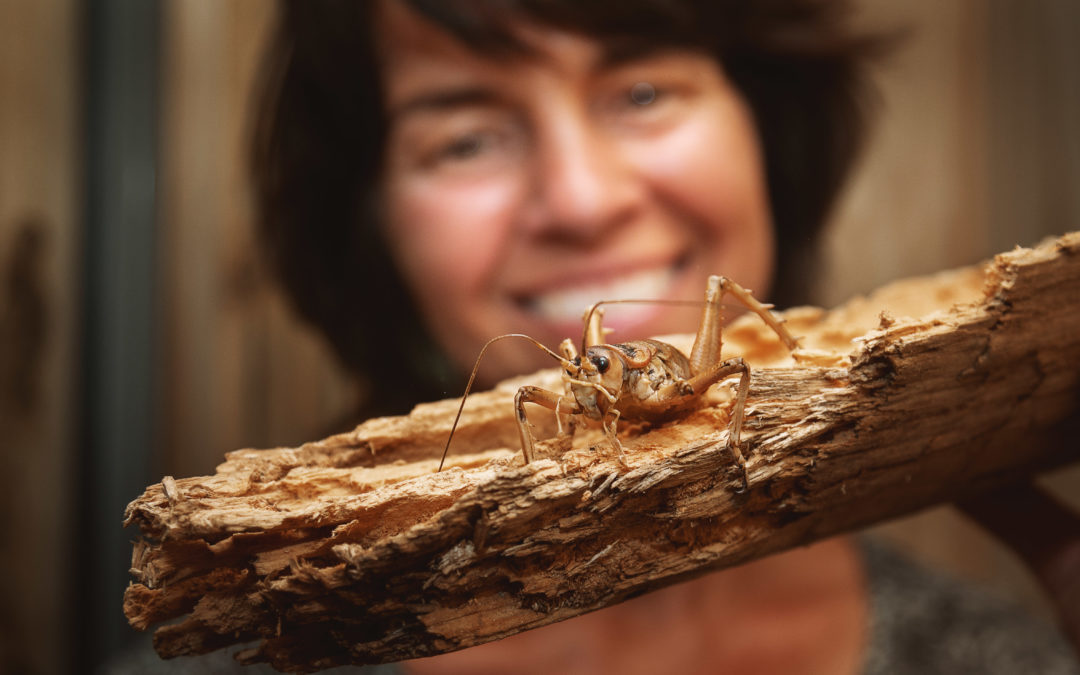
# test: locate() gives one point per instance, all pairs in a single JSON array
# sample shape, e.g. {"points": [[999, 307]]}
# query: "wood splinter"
{"points": [[172, 493]]}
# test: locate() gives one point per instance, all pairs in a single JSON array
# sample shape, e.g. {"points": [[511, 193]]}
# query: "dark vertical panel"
{"points": [[119, 271]]}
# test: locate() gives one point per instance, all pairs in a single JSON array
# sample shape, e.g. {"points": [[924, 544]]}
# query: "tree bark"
{"points": [[353, 550]]}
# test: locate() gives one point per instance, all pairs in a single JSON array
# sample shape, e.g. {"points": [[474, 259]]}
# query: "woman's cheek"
{"points": [[711, 172], [711, 168], [449, 239]]}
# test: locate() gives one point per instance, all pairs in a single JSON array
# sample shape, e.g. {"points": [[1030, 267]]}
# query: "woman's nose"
{"points": [[582, 184]]}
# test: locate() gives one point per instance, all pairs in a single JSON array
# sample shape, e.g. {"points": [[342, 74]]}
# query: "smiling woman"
{"points": [[520, 190], [432, 174]]}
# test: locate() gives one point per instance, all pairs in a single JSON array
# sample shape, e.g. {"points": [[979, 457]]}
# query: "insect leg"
{"points": [[609, 430], [737, 422], [559, 419], [472, 378], [701, 382], [750, 302], [708, 341], [550, 400], [568, 350], [594, 330]]}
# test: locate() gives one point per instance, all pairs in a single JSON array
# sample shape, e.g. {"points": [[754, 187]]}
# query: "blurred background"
{"points": [[139, 335]]}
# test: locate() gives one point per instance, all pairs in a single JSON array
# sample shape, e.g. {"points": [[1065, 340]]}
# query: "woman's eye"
{"points": [[642, 93], [640, 97], [640, 102], [484, 146], [463, 147]]}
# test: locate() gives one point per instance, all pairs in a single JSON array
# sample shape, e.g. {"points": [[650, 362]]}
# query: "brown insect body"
{"points": [[646, 377], [648, 380]]}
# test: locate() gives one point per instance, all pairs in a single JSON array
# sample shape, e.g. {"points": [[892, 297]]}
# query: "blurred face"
{"points": [[519, 190]]}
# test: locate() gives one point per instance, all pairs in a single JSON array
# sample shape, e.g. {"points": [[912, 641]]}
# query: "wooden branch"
{"points": [[352, 550]]}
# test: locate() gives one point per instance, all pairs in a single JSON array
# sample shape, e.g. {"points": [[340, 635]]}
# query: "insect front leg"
{"points": [[550, 400], [701, 382], [569, 353], [609, 431]]}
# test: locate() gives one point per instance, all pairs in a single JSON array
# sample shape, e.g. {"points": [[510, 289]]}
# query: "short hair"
{"points": [[320, 131]]}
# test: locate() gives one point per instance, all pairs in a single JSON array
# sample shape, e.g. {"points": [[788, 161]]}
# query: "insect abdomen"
{"points": [[651, 389]]}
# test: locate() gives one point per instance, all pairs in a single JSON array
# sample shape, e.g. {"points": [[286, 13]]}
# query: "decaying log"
{"points": [[352, 550]]}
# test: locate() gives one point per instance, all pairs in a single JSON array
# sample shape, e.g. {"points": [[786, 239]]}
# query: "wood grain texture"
{"points": [[351, 550]]}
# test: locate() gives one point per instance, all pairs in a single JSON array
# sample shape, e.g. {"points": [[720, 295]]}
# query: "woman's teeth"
{"points": [[568, 304]]}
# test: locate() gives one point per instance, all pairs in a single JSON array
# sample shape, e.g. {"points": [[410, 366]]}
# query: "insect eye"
{"points": [[601, 363]]}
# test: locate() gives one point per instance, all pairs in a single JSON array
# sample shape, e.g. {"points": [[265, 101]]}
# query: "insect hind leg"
{"points": [[763, 310], [708, 341]]}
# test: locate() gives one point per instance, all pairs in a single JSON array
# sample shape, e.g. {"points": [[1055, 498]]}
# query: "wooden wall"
{"points": [[917, 203], [39, 236]]}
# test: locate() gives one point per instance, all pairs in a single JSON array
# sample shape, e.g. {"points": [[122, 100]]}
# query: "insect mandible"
{"points": [[646, 380]]}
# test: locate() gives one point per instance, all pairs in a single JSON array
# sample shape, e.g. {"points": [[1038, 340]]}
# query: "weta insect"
{"points": [[647, 380]]}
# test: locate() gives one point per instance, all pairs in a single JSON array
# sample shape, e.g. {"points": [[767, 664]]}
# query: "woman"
{"points": [[431, 174], [330, 149]]}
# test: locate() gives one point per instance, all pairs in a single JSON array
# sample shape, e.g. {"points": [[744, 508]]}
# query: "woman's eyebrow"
{"points": [[442, 99], [617, 53]]}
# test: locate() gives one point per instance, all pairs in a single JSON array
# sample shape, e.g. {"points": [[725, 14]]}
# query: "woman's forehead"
{"points": [[426, 68]]}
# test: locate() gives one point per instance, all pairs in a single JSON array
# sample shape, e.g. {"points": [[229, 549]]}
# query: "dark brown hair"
{"points": [[320, 129]]}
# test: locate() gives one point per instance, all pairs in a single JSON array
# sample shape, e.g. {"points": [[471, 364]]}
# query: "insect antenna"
{"points": [[472, 377]]}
